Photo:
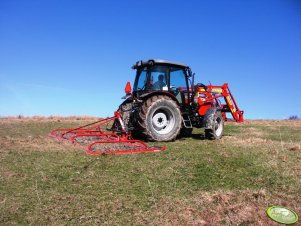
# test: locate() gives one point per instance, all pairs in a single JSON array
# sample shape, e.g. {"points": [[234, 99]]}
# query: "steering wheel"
{"points": [[175, 90]]}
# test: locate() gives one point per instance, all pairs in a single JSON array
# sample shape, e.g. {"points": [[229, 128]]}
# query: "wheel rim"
{"points": [[163, 120], [218, 126]]}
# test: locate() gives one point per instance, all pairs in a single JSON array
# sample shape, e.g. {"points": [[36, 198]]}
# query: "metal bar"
{"points": [[103, 121], [142, 149]]}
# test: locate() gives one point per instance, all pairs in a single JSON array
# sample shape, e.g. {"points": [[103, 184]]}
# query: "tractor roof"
{"points": [[157, 61]]}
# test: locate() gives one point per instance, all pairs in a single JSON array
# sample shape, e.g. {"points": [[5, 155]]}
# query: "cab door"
{"points": [[178, 85]]}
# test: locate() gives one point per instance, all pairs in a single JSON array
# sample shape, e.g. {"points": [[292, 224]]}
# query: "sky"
{"points": [[74, 57]]}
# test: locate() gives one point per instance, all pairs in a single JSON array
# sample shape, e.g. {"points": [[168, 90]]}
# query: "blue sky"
{"points": [[72, 57]]}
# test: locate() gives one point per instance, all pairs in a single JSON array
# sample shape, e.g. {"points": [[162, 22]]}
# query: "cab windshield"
{"points": [[159, 78], [155, 78]]}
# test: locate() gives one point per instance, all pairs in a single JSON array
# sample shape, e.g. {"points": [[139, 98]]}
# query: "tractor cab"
{"points": [[163, 77]]}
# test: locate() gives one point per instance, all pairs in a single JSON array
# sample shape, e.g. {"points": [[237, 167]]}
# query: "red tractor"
{"points": [[166, 103]]}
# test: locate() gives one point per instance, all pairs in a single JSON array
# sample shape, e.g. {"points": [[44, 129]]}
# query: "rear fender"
{"points": [[128, 100], [148, 95]]}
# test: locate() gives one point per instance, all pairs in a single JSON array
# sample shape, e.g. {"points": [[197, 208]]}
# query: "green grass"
{"points": [[45, 182]]}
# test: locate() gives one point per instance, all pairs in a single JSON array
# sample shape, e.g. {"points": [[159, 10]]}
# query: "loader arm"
{"points": [[207, 95]]}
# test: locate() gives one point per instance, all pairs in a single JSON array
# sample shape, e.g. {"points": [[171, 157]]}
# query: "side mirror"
{"points": [[128, 88]]}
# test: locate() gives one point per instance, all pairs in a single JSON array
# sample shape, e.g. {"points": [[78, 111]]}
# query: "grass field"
{"points": [[231, 181]]}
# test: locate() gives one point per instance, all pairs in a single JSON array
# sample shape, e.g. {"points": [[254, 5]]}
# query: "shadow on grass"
{"points": [[198, 136]]}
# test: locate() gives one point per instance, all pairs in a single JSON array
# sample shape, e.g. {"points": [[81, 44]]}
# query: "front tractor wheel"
{"points": [[217, 127], [159, 119]]}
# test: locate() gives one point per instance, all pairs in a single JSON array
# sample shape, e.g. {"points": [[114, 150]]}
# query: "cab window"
{"points": [[177, 79]]}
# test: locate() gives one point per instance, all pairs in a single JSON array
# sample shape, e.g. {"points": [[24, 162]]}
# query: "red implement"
{"points": [[101, 142]]}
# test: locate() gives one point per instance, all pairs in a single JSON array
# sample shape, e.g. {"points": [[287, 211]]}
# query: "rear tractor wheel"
{"points": [[159, 119]]}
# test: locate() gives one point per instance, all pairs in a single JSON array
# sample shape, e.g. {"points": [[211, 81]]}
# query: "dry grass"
{"points": [[195, 182], [246, 207], [9, 119]]}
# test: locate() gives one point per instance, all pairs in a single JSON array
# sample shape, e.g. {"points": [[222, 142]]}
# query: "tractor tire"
{"points": [[217, 128], [125, 110], [159, 119]]}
